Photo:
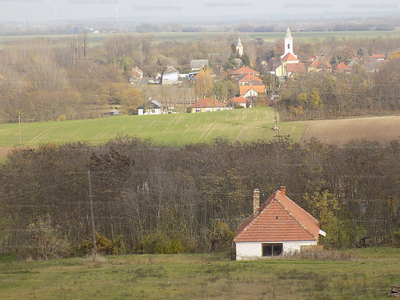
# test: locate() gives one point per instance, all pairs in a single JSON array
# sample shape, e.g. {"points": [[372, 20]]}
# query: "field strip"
{"points": [[241, 133], [211, 130], [293, 128], [176, 120], [99, 135], [205, 131], [39, 136], [108, 129]]}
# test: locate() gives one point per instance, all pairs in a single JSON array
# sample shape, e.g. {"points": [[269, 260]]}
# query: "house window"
{"points": [[288, 46], [272, 249]]}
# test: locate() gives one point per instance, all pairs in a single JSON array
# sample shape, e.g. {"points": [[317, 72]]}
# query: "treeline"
{"points": [[327, 95], [149, 198]]}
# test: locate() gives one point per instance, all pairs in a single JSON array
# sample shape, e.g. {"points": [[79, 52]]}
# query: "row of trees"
{"points": [[154, 198], [326, 95]]}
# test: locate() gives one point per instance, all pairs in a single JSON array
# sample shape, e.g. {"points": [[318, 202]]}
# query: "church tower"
{"points": [[239, 48], [288, 43]]}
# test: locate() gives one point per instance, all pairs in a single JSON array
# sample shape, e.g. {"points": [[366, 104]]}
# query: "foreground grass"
{"points": [[368, 276], [179, 129]]}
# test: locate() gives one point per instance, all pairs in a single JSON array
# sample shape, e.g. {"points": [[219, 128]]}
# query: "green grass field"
{"points": [[178, 129], [309, 36], [202, 276]]}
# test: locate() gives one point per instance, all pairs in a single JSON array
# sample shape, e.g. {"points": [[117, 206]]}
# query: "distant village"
{"points": [[250, 82]]}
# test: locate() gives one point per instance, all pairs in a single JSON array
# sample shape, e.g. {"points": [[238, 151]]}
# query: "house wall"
{"points": [[250, 93], [170, 78], [207, 109], [253, 250]]}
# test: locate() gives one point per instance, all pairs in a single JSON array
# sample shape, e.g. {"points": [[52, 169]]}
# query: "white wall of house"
{"points": [[253, 250], [250, 93]]}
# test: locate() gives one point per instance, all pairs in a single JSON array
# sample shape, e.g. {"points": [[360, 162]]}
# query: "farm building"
{"points": [[170, 76], [276, 227]]}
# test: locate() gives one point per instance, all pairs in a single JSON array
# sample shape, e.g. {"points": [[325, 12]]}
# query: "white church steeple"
{"points": [[239, 47], [288, 43]]}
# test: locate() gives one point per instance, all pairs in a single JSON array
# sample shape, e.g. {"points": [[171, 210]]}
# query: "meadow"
{"points": [[367, 275], [305, 36], [171, 129]]}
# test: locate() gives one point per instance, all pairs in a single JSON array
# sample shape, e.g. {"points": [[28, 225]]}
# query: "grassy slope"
{"points": [[236, 125], [202, 276]]}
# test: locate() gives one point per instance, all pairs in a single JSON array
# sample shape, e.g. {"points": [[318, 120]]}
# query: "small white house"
{"points": [[151, 107], [278, 226], [170, 76]]}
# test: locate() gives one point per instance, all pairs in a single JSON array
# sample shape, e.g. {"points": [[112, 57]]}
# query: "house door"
{"points": [[272, 249]]}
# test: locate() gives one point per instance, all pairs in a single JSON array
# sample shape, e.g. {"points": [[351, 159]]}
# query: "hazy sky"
{"points": [[36, 10]]}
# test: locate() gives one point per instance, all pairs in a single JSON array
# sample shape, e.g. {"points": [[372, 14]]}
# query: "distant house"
{"points": [[239, 101], [276, 227], [137, 75], [244, 71], [170, 76], [151, 107], [207, 105], [320, 64], [342, 67], [247, 91], [198, 64], [295, 68], [249, 79], [378, 56]]}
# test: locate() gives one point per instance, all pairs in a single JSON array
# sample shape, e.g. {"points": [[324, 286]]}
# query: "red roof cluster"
{"points": [[279, 219]]}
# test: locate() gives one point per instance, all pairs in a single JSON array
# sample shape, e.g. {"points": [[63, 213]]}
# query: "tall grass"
{"points": [[203, 276]]}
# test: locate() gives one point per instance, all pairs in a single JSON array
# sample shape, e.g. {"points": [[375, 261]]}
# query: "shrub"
{"points": [[104, 246], [46, 241]]}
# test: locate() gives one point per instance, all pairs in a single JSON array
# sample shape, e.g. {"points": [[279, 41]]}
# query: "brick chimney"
{"points": [[283, 191], [256, 202]]}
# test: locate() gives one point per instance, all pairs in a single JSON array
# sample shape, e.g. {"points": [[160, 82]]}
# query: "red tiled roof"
{"points": [[296, 67], [378, 56], [244, 70], [207, 102], [243, 89], [250, 77], [280, 219], [342, 66], [289, 57], [239, 100]]}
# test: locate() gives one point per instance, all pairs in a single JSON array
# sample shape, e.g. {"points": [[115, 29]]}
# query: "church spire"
{"points": [[239, 47], [288, 43]]}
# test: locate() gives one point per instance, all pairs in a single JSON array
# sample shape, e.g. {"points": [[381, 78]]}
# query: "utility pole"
{"points": [[91, 213], [19, 127]]}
